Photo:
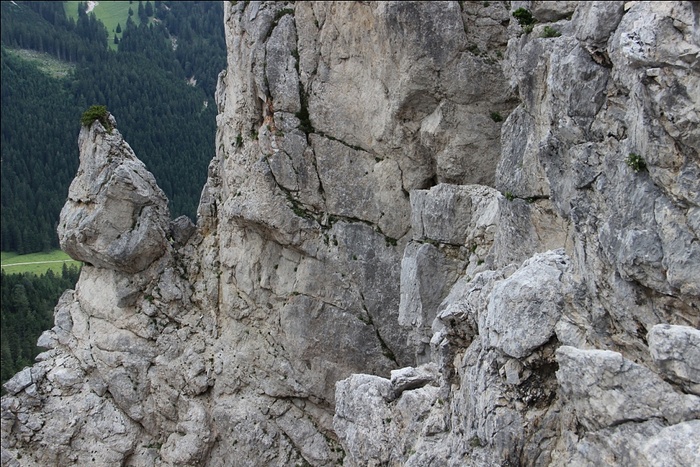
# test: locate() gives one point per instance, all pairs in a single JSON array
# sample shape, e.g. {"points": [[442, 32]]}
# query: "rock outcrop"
{"points": [[116, 217], [429, 236]]}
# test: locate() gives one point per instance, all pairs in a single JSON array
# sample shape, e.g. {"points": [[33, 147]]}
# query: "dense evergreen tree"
{"points": [[165, 121], [44, 27], [142, 13], [201, 45], [170, 125], [26, 310], [39, 158]]}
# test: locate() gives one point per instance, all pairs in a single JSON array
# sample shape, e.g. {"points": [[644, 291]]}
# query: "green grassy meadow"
{"points": [[110, 13], [36, 263], [44, 62]]}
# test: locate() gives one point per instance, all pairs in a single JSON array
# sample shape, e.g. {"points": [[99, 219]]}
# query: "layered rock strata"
{"points": [[429, 236]]}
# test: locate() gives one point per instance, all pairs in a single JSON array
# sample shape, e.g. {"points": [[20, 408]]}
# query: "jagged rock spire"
{"points": [[116, 216]]}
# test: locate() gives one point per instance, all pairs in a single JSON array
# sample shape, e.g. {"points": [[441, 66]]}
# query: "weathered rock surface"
{"points": [[589, 98], [453, 229], [606, 389], [529, 300], [676, 351], [116, 216], [384, 273]]}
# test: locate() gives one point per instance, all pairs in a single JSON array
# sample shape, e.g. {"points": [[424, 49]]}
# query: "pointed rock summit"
{"points": [[116, 217]]}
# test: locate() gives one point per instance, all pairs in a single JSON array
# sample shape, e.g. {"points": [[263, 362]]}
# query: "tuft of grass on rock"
{"points": [[549, 31]]}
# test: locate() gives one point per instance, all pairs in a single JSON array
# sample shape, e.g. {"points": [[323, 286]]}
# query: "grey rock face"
{"points": [[411, 378], [382, 271], [622, 404], [676, 350], [462, 215], [376, 429], [427, 274], [595, 23], [589, 98], [19, 381], [674, 445], [116, 216], [453, 229], [606, 390], [181, 229], [525, 307]]}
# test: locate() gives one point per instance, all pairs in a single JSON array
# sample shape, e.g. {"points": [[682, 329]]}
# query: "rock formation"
{"points": [[429, 236]]}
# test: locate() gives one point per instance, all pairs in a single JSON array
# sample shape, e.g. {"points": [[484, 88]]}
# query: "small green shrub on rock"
{"points": [[96, 112], [636, 162], [525, 19], [549, 31]]}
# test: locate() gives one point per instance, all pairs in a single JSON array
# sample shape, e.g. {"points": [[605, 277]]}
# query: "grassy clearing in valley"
{"points": [[36, 263], [44, 62], [111, 14]]}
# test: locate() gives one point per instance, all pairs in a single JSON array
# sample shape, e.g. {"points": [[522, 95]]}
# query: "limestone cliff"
{"points": [[430, 235]]}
